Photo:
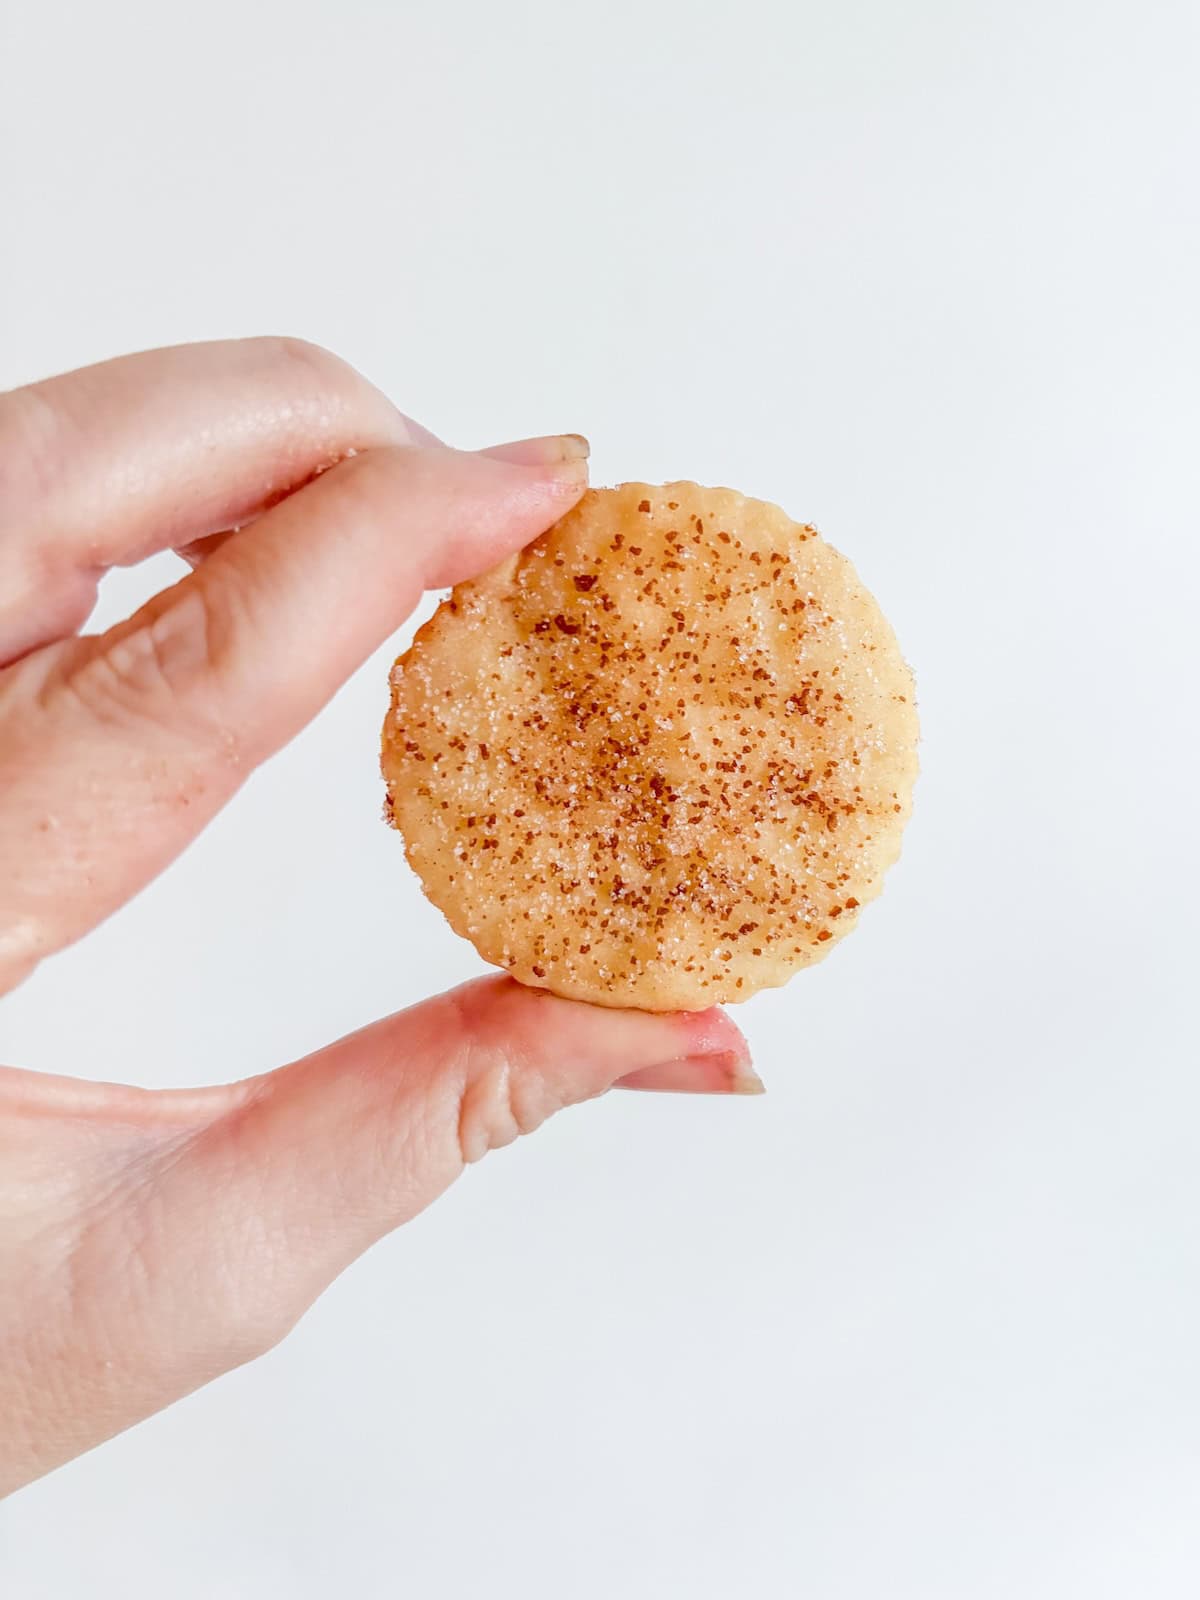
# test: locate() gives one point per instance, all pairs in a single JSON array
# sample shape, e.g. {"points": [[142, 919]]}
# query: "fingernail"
{"points": [[724, 1073], [547, 452]]}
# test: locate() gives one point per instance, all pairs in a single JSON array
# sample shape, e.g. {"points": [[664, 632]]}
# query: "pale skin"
{"points": [[151, 1240]]}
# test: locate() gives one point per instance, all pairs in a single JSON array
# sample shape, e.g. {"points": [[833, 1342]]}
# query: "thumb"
{"points": [[319, 1159], [167, 1237]]}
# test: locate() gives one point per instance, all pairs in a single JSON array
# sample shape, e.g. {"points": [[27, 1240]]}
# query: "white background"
{"points": [[924, 1321]]}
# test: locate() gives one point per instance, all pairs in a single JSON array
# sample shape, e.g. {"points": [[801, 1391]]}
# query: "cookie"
{"points": [[660, 758]]}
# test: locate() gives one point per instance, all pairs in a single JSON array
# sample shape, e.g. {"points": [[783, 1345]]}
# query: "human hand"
{"points": [[151, 1240]]}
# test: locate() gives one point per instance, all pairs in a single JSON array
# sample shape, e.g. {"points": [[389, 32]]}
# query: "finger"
{"points": [[223, 1213], [540, 452], [326, 1156], [107, 464], [120, 748]]}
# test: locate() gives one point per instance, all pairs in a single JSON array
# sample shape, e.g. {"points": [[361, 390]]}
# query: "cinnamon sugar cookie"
{"points": [[661, 757]]}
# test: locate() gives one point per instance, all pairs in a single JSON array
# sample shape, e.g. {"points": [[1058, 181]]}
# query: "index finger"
{"points": [[119, 749]]}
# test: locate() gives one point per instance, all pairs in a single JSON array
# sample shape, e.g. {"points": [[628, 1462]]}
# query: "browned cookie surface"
{"points": [[660, 758]]}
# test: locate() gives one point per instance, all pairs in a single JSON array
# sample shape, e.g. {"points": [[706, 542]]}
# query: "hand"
{"points": [[152, 1240]]}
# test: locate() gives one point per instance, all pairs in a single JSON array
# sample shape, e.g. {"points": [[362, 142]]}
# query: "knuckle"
{"points": [[336, 396], [250, 1330], [486, 1113], [312, 364], [160, 670], [164, 658], [499, 1100]]}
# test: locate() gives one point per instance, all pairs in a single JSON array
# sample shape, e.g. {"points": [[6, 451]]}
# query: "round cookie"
{"points": [[661, 757]]}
